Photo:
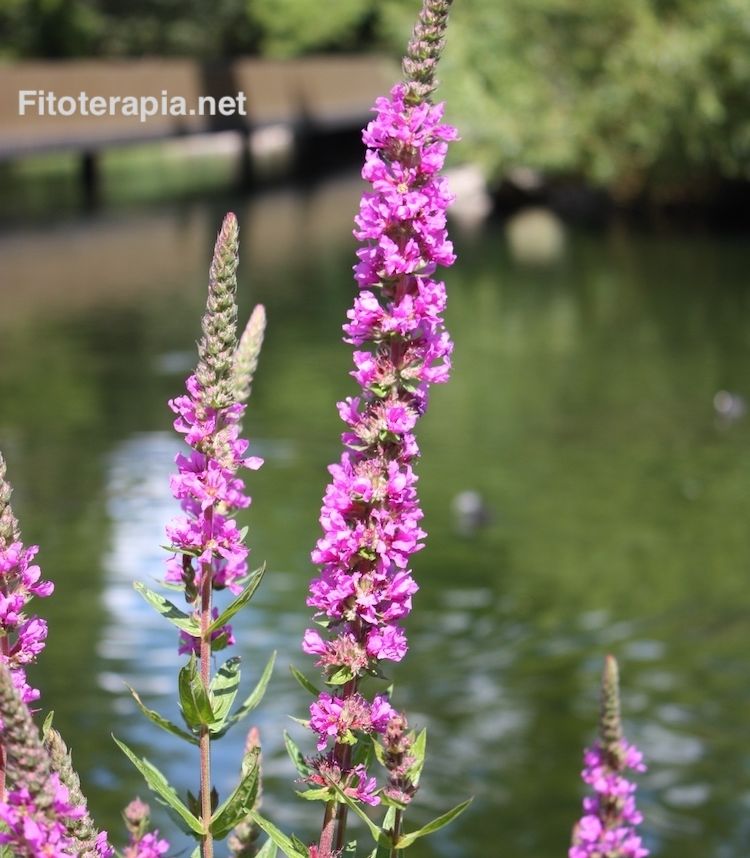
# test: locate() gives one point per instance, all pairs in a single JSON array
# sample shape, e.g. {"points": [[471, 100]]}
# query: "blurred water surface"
{"points": [[583, 495]]}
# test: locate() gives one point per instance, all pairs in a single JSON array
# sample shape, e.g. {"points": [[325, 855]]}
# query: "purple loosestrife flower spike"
{"points": [[371, 514], [206, 539], [22, 637], [38, 814], [607, 828], [209, 549]]}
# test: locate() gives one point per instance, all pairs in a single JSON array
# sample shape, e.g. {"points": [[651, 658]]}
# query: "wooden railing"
{"points": [[315, 95]]}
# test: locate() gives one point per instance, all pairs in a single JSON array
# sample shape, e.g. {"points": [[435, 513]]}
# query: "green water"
{"points": [[581, 410]]}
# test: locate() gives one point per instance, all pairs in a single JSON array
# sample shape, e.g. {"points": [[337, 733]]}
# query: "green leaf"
{"points": [[319, 794], [161, 721], [340, 677], [407, 839], [223, 690], [268, 850], [417, 751], [390, 819], [279, 838], [169, 611], [163, 790], [295, 755], [377, 834], [241, 600], [298, 844], [194, 702], [47, 725], [240, 802], [304, 681], [252, 700], [385, 851]]}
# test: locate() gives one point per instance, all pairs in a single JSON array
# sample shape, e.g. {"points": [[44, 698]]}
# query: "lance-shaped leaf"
{"points": [[161, 721], [407, 839], [298, 844], [304, 681], [183, 621], [223, 690], [277, 835], [417, 751], [254, 698], [295, 755], [242, 799], [194, 701], [268, 850], [317, 794], [389, 821], [47, 725], [164, 791], [226, 615]]}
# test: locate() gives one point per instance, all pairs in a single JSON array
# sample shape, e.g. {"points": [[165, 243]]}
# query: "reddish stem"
{"points": [[333, 830], [396, 833], [5, 650], [207, 845]]}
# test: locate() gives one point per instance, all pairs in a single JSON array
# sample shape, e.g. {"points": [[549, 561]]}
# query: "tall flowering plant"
{"points": [[371, 514], [371, 521], [208, 554], [42, 809], [607, 828]]}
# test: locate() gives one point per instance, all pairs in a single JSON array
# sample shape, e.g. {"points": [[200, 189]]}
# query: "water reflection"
{"points": [[581, 414]]}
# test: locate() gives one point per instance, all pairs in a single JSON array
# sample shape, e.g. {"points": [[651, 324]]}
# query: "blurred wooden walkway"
{"points": [[310, 96]]}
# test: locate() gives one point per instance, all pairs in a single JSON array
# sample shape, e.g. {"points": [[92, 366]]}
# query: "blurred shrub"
{"points": [[648, 93], [645, 94]]}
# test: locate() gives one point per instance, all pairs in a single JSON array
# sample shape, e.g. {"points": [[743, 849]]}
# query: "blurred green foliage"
{"points": [[292, 27], [645, 94]]}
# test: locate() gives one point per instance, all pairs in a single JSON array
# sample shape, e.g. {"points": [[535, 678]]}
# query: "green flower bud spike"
{"points": [[82, 828], [9, 530], [610, 722], [248, 352], [217, 345], [425, 47]]}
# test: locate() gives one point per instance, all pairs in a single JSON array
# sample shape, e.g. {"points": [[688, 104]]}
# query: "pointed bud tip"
{"points": [[611, 670]]}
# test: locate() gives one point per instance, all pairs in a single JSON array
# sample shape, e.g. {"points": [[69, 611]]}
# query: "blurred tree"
{"points": [[293, 27], [649, 94]]}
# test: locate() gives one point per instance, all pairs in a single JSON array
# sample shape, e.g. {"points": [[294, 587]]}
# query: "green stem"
{"points": [[396, 833]]}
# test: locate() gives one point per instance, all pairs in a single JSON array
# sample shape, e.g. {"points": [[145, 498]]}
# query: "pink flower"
{"points": [[370, 515]]}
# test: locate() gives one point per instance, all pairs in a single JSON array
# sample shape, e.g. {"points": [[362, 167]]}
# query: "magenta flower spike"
{"points": [[210, 550], [371, 514], [22, 637], [43, 812], [607, 828]]}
